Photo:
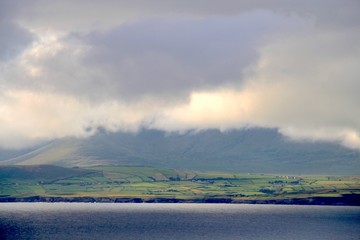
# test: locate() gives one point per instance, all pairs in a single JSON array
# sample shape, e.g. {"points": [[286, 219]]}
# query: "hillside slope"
{"points": [[42, 172], [249, 150]]}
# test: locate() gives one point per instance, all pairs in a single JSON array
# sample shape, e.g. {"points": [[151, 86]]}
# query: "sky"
{"points": [[68, 68]]}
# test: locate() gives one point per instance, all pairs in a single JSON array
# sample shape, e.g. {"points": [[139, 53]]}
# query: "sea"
{"points": [[177, 221]]}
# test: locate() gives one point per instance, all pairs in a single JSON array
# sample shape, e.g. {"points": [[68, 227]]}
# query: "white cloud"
{"points": [[28, 117]]}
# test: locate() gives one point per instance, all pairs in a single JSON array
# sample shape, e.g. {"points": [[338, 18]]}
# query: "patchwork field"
{"points": [[148, 183]]}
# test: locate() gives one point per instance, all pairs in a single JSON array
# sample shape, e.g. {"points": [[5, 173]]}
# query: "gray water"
{"points": [[176, 221]]}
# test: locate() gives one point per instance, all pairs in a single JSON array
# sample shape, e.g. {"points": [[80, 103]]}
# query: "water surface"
{"points": [[176, 221]]}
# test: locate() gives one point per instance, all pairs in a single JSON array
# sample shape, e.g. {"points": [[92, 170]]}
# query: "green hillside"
{"points": [[247, 151], [143, 183], [41, 172]]}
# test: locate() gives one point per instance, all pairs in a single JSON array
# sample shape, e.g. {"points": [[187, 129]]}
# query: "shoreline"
{"points": [[345, 200]]}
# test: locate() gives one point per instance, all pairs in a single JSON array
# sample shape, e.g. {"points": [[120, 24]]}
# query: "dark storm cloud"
{"points": [[13, 38], [170, 57], [166, 58]]}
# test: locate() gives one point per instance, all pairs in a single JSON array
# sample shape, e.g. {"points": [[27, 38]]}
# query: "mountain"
{"points": [[255, 150], [12, 153]]}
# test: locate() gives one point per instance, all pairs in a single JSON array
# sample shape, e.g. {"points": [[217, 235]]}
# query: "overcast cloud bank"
{"points": [[69, 67]]}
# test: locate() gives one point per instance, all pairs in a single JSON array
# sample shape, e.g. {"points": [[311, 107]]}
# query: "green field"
{"points": [[149, 183]]}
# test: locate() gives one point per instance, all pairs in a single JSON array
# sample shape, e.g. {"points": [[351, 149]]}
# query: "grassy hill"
{"points": [[41, 172], [143, 183], [247, 151]]}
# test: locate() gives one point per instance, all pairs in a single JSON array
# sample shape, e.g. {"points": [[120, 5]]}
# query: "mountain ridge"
{"points": [[255, 150]]}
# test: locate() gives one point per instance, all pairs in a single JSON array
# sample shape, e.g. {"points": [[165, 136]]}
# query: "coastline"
{"points": [[344, 200]]}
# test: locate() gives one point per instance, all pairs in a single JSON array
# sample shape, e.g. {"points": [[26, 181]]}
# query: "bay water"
{"points": [[176, 221]]}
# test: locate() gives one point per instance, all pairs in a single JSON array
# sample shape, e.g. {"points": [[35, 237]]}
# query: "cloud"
{"points": [[13, 41], [304, 85], [69, 67], [162, 58], [14, 38], [29, 117], [87, 15], [166, 57]]}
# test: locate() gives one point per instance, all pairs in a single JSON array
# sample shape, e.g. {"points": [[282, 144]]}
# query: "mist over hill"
{"points": [[255, 150], [12, 153]]}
